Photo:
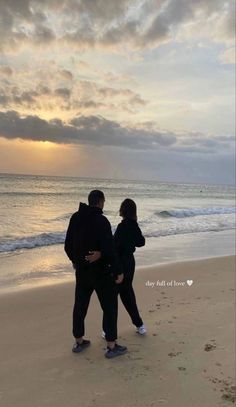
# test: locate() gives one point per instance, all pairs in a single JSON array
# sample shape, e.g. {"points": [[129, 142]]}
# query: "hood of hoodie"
{"points": [[86, 210]]}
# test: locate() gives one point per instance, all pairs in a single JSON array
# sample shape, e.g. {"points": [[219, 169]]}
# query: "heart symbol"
{"points": [[189, 282]]}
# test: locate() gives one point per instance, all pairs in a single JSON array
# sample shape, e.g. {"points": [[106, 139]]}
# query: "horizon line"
{"points": [[116, 179]]}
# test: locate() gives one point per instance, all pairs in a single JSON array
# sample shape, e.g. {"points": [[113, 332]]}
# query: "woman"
{"points": [[127, 237]]}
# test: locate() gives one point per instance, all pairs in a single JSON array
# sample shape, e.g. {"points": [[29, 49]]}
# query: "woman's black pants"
{"points": [[126, 292]]}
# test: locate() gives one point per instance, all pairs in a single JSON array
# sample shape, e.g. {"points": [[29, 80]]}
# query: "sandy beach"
{"points": [[186, 359]]}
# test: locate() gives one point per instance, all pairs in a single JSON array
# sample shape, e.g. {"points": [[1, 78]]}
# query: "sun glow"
{"points": [[46, 144]]}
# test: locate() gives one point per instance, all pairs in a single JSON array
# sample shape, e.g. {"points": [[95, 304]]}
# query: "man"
{"points": [[89, 232]]}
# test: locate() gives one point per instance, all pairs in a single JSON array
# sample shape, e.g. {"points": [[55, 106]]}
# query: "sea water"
{"points": [[179, 221]]}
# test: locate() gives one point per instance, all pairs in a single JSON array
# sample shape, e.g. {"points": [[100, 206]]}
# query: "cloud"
{"points": [[23, 23], [42, 35], [66, 75], [98, 131], [89, 104], [225, 24], [34, 99], [228, 56], [55, 89], [81, 130], [25, 98], [64, 93], [133, 98], [6, 70], [4, 100], [154, 23], [100, 23]]}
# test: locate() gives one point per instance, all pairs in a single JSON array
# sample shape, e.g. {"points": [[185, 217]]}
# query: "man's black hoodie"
{"points": [[89, 230]]}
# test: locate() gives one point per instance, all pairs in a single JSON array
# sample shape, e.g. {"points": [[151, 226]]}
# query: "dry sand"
{"points": [[186, 360]]}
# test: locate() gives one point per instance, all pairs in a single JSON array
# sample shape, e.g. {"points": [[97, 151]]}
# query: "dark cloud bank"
{"points": [[98, 131]]}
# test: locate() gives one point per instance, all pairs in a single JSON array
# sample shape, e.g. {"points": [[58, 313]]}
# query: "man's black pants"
{"points": [[88, 281]]}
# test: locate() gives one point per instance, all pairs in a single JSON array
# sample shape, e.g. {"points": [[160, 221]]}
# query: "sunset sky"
{"points": [[118, 89]]}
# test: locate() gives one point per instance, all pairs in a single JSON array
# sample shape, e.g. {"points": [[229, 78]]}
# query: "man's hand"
{"points": [[120, 278], [93, 256]]}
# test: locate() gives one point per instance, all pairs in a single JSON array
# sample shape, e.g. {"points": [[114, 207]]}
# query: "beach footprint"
{"points": [[209, 347]]}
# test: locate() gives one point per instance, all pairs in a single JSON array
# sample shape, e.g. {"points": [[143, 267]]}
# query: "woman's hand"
{"points": [[93, 256], [120, 278]]}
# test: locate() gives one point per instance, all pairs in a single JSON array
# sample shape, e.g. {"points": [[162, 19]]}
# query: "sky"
{"points": [[128, 89]]}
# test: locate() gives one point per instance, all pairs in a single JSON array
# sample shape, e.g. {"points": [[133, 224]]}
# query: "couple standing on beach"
{"points": [[105, 264]]}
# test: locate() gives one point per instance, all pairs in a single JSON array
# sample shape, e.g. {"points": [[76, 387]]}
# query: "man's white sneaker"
{"points": [[141, 330]]}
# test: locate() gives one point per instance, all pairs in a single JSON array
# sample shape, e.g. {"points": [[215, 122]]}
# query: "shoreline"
{"points": [[46, 265], [187, 357], [69, 277]]}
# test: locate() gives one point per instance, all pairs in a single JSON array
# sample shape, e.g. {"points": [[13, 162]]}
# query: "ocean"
{"points": [[179, 221]]}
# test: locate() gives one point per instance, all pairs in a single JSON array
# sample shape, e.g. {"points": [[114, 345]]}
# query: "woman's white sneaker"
{"points": [[141, 330]]}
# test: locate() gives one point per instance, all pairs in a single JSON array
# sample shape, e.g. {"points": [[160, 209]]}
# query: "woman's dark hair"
{"points": [[128, 209], [95, 197]]}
